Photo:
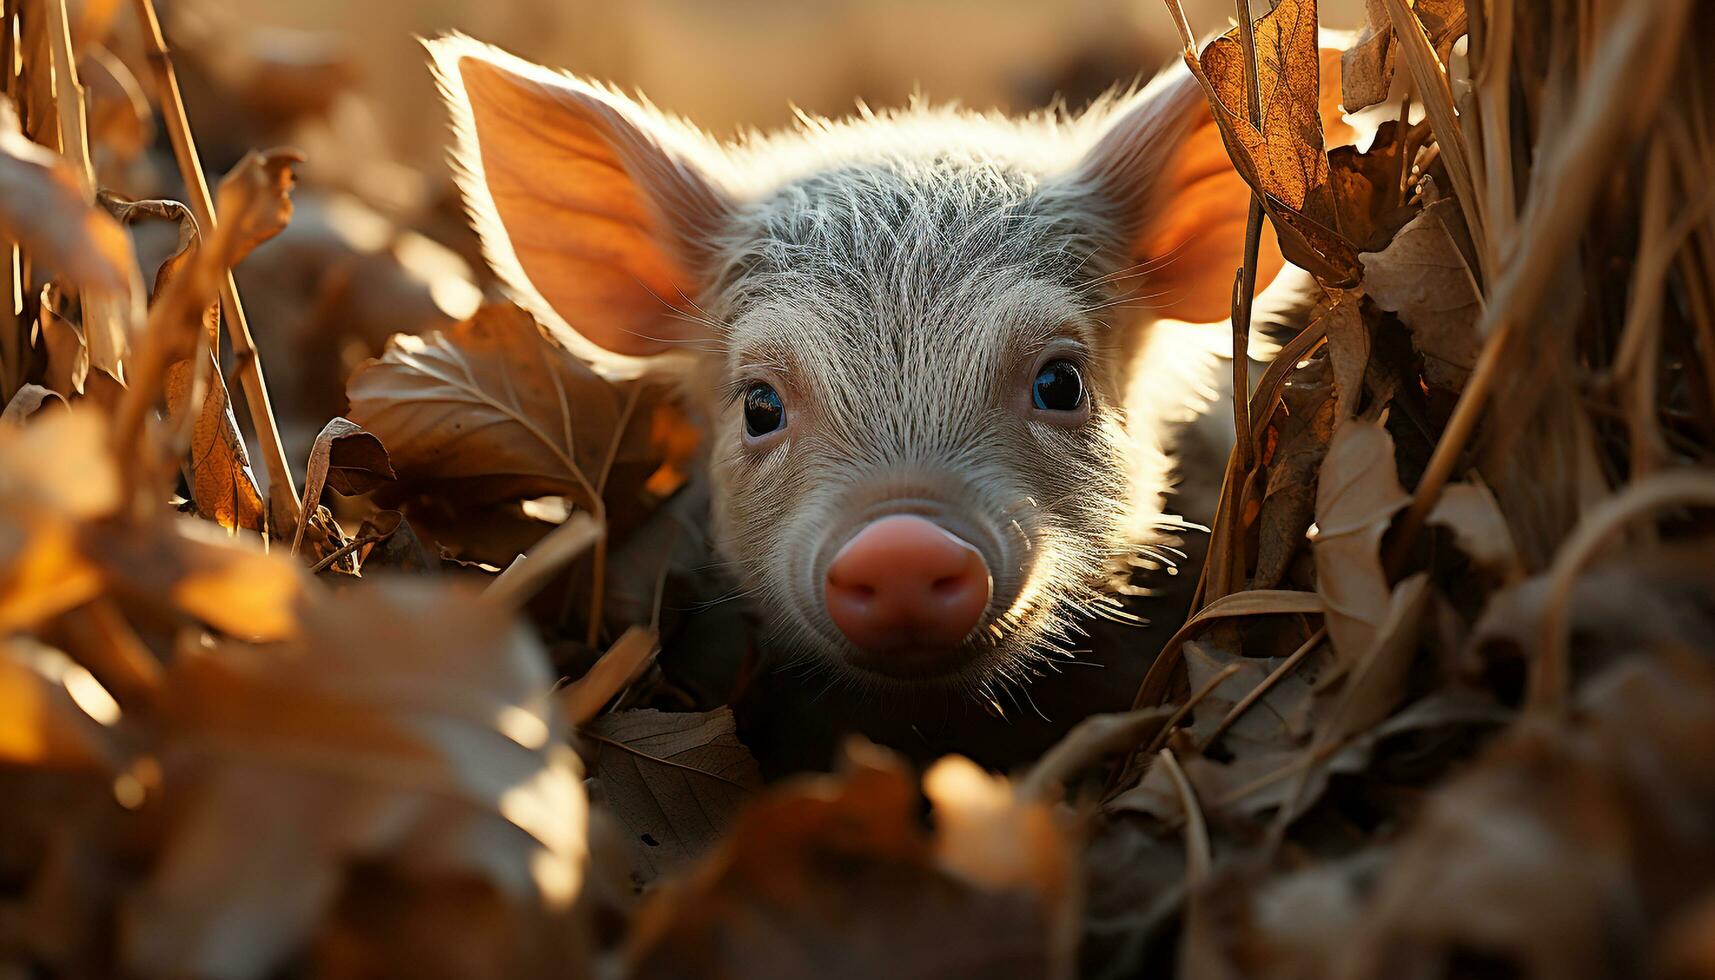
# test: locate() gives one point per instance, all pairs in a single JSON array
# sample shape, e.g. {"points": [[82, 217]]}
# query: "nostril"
{"points": [[949, 583]]}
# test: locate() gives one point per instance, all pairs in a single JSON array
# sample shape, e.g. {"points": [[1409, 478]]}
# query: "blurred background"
{"points": [[379, 246], [728, 64]]}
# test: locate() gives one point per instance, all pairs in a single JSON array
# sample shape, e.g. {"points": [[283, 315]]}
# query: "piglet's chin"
{"points": [[912, 662]]}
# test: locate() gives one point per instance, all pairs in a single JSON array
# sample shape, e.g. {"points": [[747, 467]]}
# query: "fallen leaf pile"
{"points": [[334, 630]]}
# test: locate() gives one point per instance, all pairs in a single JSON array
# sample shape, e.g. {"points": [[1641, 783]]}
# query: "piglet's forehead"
{"points": [[982, 335], [912, 236], [951, 268]]}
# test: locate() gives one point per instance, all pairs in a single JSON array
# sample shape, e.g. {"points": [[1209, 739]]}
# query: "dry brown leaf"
{"points": [[202, 571], [1376, 682], [221, 479], [1284, 159], [52, 712], [836, 877], [1295, 441], [1369, 197], [674, 780], [1357, 495], [1423, 276], [1367, 67], [43, 208], [346, 458], [55, 474], [1286, 151], [1542, 855], [27, 401], [1089, 740], [218, 466], [255, 199], [408, 726], [1471, 512], [1348, 354], [357, 461], [998, 839], [62, 341], [1275, 723], [46, 209], [490, 410], [1445, 21]]}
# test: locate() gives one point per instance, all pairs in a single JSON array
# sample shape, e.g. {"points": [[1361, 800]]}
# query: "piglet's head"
{"points": [[909, 334]]}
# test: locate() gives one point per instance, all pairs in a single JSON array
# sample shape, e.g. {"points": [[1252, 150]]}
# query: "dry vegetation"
{"points": [[1445, 708]]}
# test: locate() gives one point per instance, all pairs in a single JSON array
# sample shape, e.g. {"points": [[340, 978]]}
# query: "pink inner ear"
{"points": [[1163, 159], [1199, 236], [583, 208]]}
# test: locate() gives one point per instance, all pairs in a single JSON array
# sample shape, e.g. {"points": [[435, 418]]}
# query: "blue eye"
{"points": [[1058, 387], [764, 412]]}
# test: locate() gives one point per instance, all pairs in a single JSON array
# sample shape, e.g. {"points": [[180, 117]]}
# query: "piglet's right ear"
{"points": [[590, 206]]}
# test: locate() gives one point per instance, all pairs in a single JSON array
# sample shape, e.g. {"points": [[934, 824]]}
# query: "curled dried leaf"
{"points": [[1357, 495], [217, 466], [345, 457], [1368, 191], [1348, 354], [1295, 441], [254, 200], [1471, 512], [222, 483], [1424, 277], [62, 340], [27, 401], [1376, 683], [357, 461]]}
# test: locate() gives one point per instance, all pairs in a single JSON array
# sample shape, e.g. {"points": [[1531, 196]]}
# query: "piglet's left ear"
{"points": [[1161, 168], [595, 209]]}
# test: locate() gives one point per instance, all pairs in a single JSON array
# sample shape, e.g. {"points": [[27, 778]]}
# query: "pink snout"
{"points": [[905, 585]]}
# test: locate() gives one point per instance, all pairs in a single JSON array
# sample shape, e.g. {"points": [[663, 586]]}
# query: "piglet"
{"points": [[909, 335]]}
